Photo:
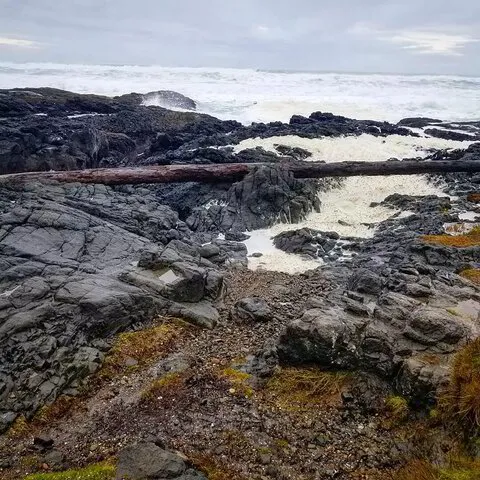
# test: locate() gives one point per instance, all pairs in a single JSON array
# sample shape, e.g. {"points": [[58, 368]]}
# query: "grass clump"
{"points": [[166, 386], [461, 399], [472, 274], [298, 388], [397, 408], [93, 472], [143, 347], [416, 470], [47, 414], [19, 428], [239, 381], [470, 239], [459, 468], [214, 469]]}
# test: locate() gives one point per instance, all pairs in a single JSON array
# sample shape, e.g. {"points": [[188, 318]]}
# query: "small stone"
{"points": [[265, 459], [130, 362], [54, 458], [43, 442]]}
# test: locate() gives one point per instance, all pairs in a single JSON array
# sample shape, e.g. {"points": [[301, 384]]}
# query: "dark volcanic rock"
{"points": [[449, 134], [252, 309], [418, 122], [145, 461], [160, 98], [69, 278], [264, 197]]}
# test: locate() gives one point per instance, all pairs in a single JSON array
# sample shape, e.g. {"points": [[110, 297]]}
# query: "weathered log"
{"points": [[236, 171]]}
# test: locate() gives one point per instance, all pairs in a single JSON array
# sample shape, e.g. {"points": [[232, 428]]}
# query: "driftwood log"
{"points": [[232, 172]]}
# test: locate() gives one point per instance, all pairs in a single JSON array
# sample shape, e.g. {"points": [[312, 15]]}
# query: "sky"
{"points": [[407, 36]]}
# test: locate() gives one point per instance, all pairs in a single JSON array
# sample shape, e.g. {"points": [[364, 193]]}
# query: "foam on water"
{"points": [[249, 95], [349, 204]]}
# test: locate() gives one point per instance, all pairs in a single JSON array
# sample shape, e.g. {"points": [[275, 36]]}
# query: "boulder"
{"points": [[147, 461], [365, 281], [252, 309]]}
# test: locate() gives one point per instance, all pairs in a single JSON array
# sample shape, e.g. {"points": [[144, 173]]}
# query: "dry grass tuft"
{"points": [[298, 388], [460, 468], [457, 468], [214, 469], [470, 239], [474, 197], [461, 399], [472, 274], [416, 470], [48, 414]]}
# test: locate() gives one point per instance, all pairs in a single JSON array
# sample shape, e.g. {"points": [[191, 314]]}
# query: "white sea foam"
{"points": [[249, 95], [349, 204]]}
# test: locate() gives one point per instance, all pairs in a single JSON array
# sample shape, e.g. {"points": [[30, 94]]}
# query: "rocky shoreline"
{"points": [[83, 263]]}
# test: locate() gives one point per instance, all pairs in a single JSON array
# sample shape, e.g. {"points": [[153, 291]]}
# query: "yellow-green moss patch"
{"points": [[239, 381], [143, 347], [163, 387], [397, 408], [93, 472]]}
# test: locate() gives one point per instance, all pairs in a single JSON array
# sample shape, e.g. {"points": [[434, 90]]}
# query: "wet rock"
{"points": [[252, 309], [365, 281], [6, 419], [145, 461], [448, 135], [54, 459], [418, 122]]}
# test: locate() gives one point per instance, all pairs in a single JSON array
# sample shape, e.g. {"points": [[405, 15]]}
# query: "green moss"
{"points": [[239, 381], [143, 346], [93, 472], [281, 443], [167, 385], [19, 428], [397, 407]]}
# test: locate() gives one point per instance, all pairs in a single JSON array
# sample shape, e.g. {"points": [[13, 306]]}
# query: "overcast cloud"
{"points": [[407, 36]]}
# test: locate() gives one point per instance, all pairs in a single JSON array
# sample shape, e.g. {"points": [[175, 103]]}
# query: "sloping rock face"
{"points": [[399, 311], [80, 263], [401, 337], [45, 128]]}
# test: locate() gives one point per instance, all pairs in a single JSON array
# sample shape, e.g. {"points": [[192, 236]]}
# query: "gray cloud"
{"points": [[349, 35]]}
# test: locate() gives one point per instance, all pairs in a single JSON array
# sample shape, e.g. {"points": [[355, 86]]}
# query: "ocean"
{"points": [[264, 96]]}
